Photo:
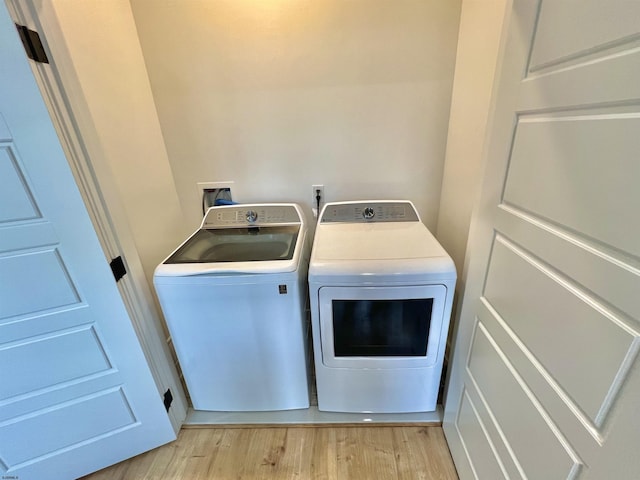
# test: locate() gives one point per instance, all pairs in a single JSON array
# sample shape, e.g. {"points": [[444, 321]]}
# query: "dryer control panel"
{"points": [[371, 211]]}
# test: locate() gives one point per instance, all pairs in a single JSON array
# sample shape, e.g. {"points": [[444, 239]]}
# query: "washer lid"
{"points": [[252, 244], [241, 239]]}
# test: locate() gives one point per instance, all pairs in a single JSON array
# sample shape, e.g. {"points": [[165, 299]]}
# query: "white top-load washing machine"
{"points": [[381, 289], [233, 295]]}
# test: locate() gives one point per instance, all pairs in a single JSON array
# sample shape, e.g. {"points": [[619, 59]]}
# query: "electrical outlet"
{"points": [[318, 191]]}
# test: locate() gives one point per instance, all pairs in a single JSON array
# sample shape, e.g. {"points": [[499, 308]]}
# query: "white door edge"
{"points": [[462, 331]]}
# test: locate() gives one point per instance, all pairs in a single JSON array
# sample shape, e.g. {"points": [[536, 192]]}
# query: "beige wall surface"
{"points": [[279, 95], [478, 41], [102, 42]]}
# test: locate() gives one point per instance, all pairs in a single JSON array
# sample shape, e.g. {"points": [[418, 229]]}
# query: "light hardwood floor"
{"points": [[370, 453]]}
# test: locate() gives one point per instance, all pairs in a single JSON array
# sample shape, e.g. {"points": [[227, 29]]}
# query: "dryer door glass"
{"points": [[381, 328]]}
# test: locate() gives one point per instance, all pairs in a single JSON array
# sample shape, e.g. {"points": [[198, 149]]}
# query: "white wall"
{"points": [[283, 94], [101, 41], [480, 27], [277, 96]]}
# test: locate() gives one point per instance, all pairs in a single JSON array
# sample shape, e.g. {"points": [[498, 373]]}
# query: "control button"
{"points": [[251, 216], [368, 213]]}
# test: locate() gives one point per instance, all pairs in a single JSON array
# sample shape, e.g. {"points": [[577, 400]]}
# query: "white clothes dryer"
{"points": [[381, 290], [233, 295]]}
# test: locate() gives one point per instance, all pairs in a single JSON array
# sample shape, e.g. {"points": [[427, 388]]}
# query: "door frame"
{"points": [[68, 112]]}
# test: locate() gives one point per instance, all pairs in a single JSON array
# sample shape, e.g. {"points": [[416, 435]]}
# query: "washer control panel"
{"points": [[367, 212], [249, 215]]}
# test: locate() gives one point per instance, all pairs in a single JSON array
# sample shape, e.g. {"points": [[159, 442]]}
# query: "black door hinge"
{"points": [[118, 268], [168, 398], [32, 44]]}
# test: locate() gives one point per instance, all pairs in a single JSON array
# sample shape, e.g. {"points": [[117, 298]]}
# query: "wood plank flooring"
{"points": [[328, 453]]}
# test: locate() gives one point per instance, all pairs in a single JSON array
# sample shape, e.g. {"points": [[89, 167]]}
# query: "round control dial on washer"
{"points": [[368, 213], [251, 216]]}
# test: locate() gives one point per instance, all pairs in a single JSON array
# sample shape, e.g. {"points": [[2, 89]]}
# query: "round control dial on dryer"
{"points": [[368, 213], [251, 216]]}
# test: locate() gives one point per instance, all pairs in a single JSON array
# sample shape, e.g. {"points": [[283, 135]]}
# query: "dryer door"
{"points": [[381, 327]]}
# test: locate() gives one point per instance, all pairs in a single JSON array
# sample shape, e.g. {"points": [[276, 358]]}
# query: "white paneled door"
{"points": [[546, 376], [76, 393]]}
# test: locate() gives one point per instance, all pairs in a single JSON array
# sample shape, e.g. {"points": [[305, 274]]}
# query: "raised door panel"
{"points": [[517, 414], [41, 273], [579, 171], [595, 267], [483, 456], [16, 200], [85, 419], [71, 355], [571, 333], [574, 28]]}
